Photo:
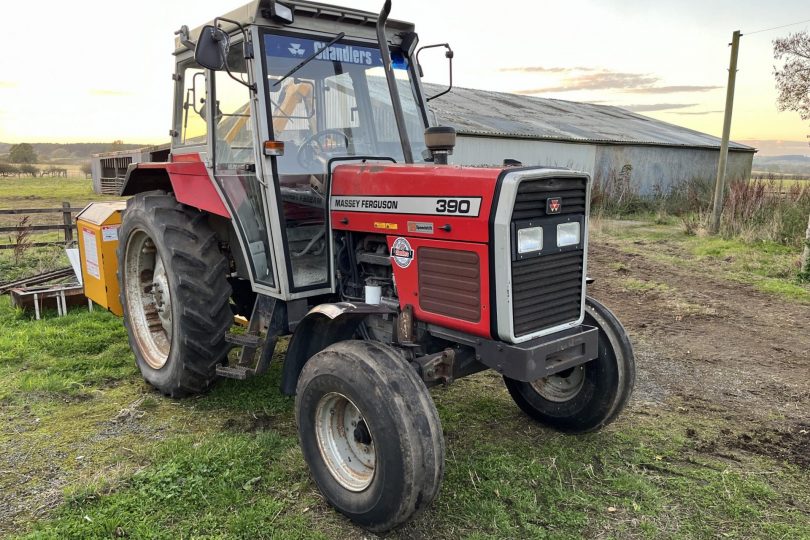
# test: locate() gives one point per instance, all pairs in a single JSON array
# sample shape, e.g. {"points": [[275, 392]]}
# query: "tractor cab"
{"points": [[272, 103]]}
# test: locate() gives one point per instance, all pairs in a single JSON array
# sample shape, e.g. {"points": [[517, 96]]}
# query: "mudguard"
{"points": [[321, 327], [188, 180]]}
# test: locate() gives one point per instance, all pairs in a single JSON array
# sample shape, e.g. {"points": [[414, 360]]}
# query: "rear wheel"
{"points": [[587, 397], [174, 293], [370, 433]]}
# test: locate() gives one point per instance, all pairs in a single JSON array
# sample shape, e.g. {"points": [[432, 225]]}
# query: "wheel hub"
{"points": [[562, 386], [345, 442], [163, 298], [148, 299]]}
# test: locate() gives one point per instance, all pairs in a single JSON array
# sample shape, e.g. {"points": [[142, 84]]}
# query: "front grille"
{"points": [[530, 202], [450, 283], [547, 290]]}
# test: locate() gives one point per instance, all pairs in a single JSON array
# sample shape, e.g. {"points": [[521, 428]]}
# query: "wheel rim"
{"points": [[345, 442], [148, 299], [562, 386]]}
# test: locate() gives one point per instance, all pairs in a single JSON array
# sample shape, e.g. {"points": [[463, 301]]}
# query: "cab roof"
{"points": [[309, 16]]}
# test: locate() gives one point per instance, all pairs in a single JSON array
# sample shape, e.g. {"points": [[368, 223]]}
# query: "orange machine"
{"points": [[98, 227]]}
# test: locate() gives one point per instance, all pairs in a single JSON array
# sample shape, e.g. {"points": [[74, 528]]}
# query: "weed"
{"points": [[21, 239]]}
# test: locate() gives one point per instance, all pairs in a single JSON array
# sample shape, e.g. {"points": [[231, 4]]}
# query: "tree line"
{"points": [[27, 169]]}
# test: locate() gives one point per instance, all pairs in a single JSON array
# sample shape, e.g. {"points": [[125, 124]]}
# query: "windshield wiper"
{"points": [[310, 57]]}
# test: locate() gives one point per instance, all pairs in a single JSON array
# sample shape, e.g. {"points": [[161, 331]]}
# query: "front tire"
{"points": [[370, 433], [587, 397], [174, 293]]}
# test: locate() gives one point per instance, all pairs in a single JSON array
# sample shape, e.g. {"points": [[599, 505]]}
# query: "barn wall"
{"points": [[661, 167], [652, 167], [493, 150]]}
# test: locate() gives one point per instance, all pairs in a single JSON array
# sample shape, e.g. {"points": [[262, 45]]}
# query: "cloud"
{"points": [[602, 80], [697, 113], [542, 69], [631, 83], [658, 107], [673, 89], [109, 93]]}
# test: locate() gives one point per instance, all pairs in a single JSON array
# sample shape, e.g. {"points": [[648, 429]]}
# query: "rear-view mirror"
{"points": [[211, 48]]}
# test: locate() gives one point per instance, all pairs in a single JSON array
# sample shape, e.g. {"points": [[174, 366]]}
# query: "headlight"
{"points": [[530, 239], [568, 234]]}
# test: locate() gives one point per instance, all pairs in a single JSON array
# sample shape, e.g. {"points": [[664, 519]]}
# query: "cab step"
{"points": [[235, 372], [244, 340], [269, 316]]}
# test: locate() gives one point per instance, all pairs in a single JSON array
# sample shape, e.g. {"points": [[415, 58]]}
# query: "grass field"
{"points": [[88, 450], [45, 192], [91, 451], [768, 266]]}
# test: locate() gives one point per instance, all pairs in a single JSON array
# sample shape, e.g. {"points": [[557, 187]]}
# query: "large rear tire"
{"points": [[370, 433], [590, 396], [174, 292]]}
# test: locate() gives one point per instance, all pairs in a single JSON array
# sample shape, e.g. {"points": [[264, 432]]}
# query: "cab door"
{"points": [[234, 161]]}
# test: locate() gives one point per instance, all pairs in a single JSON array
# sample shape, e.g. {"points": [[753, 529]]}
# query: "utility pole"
{"points": [[805, 272], [720, 185]]}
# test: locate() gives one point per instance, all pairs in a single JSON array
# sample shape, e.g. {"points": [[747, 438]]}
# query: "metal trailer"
{"points": [[108, 169]]}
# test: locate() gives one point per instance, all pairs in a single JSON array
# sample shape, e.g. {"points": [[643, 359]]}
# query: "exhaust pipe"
{"points": [[392, 83]]}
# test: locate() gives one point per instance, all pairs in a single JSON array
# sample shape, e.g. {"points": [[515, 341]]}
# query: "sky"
{"points": [[100, 70]]}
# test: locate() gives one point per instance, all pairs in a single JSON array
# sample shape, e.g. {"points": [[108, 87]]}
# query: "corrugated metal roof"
{"points": [[485, 113]]}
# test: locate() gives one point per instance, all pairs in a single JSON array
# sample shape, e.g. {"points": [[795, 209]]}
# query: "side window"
{"points": [[193, 128], [233, 153], [233, 127]]}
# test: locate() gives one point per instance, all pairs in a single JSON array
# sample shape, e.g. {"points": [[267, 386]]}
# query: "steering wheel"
{"points": [[313, 145]]}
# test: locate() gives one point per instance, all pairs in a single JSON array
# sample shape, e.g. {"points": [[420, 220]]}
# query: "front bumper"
{"points": [[535, 359]]}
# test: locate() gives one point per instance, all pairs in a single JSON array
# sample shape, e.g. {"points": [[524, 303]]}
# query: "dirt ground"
{"points": [[715, 346]]}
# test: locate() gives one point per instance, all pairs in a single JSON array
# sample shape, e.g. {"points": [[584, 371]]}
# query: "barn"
{"points": [[610, 143], [607, 142]]}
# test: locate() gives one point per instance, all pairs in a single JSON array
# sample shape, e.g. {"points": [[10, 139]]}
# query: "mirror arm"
{"points": [[247, 48], [449, 55]]}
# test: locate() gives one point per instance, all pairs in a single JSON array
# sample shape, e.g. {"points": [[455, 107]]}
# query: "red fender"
{"points": [[188, 180]]}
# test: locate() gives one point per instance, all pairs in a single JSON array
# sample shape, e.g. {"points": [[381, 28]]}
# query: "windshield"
{"points": [[337, 105]]}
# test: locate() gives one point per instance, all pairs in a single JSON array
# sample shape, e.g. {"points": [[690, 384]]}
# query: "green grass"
{"points": [[768, 266], [46, 192], [640, 285], [34, 261], [227, 464]]}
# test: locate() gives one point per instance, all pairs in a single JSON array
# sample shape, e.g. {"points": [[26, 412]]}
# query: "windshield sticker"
{"points": [[300, 48], [402, 253]]}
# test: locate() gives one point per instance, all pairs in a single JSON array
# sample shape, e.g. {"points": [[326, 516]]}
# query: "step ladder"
{"points": [[268, 317]]}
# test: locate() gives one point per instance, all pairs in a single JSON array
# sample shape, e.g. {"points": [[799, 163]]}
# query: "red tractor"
{"points": [[307, 191]]}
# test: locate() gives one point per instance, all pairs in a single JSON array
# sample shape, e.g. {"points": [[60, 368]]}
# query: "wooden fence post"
{"points": [[68, 221]]}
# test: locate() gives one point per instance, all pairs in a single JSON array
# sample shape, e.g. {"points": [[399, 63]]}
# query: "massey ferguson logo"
{"points": [[553, 206], [296, 50]]}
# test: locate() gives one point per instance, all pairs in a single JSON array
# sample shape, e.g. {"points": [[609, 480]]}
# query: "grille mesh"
{"points": [[547, 290], [531, 197], [450, 283]]}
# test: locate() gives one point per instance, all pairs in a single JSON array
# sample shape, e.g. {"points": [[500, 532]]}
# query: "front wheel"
{"points": [[587, 397], [370, 433]]}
